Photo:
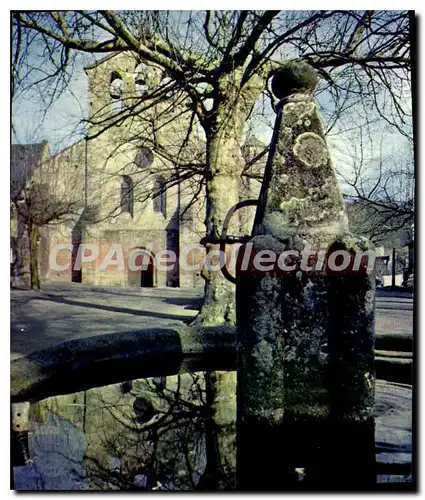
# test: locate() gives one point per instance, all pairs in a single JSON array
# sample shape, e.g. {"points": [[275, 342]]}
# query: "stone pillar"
{"points": [[305, 332]]}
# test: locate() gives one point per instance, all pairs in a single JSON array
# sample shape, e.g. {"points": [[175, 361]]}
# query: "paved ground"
{"points": [[393, 432], [61, 313]]}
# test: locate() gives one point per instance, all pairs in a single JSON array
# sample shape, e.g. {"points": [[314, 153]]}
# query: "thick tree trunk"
{"points": [[33, 234], [225, 164], [224, 158]]}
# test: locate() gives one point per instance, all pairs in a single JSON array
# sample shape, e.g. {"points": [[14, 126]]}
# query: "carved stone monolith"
{"points": [[305, 317]]}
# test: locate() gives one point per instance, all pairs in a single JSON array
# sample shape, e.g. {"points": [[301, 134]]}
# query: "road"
{"points": [[65, 312]]}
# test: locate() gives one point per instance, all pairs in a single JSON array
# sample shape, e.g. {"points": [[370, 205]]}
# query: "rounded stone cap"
{"points": [[294, 78]]}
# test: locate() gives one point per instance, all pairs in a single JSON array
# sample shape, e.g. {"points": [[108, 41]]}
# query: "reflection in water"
{"points": [[57, 450], [150, 434], [139, 434]]}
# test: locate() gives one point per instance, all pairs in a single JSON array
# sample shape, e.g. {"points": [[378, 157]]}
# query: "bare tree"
{"points": [[222, 61], [379, 178], [42, 194]]}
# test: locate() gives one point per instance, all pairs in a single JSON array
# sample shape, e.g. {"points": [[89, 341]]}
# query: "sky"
{"points": [[61, 125]]}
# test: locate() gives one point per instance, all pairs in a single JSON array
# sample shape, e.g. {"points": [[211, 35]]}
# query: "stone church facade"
{"points": [[119, 184]]}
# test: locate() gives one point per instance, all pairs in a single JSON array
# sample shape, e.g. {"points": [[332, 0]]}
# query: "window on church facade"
{"points": [[144, 157], [141, 87], [160, 197], [116, 91], [127, 193], [141, 77], [167, 82]]}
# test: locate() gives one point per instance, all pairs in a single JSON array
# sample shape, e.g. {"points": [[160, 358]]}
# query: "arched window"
{"points": [[144, 157], [167, 82], [116, 90], [141, 78], [141, 86], [127, 195], [160, 197]]}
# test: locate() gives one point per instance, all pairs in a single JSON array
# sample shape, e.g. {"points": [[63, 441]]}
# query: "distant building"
{"points": [[121, 185], [24, 158]]}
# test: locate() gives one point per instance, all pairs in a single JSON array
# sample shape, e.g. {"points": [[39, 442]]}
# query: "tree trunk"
{"points": [[224, 159], [33, 234], [225, 164]]}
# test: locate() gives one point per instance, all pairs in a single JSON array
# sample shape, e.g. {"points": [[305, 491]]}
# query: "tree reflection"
{"points": [[145, 434]]}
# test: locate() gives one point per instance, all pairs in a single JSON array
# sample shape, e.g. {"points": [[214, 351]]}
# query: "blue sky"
{"points": [[62, 124]]}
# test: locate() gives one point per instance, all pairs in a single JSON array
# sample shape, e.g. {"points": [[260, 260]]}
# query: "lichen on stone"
{"points": [[294, 203], [295, 112], [311, 149]]}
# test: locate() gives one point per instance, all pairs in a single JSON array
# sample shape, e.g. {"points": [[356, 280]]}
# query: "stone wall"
{"points": [[93, 172], [104, 161]]}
